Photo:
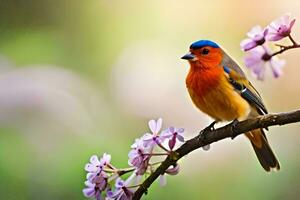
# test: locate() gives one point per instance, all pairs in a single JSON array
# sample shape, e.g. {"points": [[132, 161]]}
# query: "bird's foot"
{"points": [[210, 127], [233, 126]]}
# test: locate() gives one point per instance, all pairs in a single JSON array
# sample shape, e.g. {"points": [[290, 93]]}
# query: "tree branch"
{"points": [[285, 48], [208, 136]]}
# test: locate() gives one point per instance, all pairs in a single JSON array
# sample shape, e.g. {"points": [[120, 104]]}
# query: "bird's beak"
{"points": [[188, 56]]}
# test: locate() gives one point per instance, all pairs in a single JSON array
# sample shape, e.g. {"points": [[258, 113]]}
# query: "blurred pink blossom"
{"points": [[280, 28], [259, 59], [256, 37]]}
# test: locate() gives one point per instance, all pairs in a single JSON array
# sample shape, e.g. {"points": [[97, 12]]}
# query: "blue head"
{"points": [[203, 43], [203, 52]]}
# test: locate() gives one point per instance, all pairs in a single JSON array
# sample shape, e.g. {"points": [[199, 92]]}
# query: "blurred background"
{"points": [[79, 78]]}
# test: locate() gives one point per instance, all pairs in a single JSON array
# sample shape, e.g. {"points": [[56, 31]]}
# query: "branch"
{"points": [[208, 136], [285, 48]]}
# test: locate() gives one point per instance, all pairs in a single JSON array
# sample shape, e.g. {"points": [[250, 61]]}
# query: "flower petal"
{"points": [[284, 20], [248, 44], [106, 158], [173, 170], [89, 192], [172, 142], [158, 125], [162, 180], [256, 30], [276, 66], [180, 130], [89, 184], [292, 24], [119, 183], [147, 136], [91, 168], [152, 125], [90, 176], [265, 33], [171, 129], [94, 160], [166, 134], [180, 138]]}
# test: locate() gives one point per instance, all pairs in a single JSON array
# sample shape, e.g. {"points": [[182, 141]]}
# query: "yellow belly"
{"points": [[222, 103]]}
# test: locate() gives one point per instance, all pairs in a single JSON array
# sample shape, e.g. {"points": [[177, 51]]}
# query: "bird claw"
{"points": [[233, 126], [210, 127]]}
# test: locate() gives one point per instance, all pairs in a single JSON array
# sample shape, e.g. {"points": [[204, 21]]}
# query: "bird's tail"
{"points": [[263, 150]]}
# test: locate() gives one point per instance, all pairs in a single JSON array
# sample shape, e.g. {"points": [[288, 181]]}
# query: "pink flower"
{"points": [[174, 170], [94, 189], [256, 37], [91, 190], [139, 157], [280, 28], [122, 192], [96, 166], [153, 138], [259, 59], [97, 179], [173, 134], [105, 160]]}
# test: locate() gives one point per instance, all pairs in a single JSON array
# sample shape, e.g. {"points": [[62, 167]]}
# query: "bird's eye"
{"points": [[205, 51]]}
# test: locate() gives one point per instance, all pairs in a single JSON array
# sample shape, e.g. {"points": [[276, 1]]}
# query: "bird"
{"points": [[219, 88]]}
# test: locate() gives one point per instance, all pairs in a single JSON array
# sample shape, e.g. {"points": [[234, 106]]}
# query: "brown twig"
{"points": [[285, 48], [208, 136], [292, 40]]}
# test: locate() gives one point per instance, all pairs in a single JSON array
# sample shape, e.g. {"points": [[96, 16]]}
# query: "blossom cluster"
{"points": [[103, 179], [259, 55]]}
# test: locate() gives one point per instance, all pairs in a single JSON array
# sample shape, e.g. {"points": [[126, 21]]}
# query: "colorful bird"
{"points": [[219, 88]]}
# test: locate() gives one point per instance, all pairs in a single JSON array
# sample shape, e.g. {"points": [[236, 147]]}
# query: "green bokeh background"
{"points": [[87, 38]]}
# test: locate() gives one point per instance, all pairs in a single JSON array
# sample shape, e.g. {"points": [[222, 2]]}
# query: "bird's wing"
{"points": [[230, 63], [244, 87]]}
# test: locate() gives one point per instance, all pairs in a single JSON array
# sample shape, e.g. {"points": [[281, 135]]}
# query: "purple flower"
{"points": [[259, 59], [150, 140], [173, 134], [122, 192], [139, 157], [105, 160], [174, 170], [91, 190], [94, 189], [280, 28], [153, 138], [256, 37], [95, 167]]}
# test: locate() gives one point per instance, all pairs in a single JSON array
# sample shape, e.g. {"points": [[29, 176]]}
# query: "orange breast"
{"points": [[214, 95]]}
